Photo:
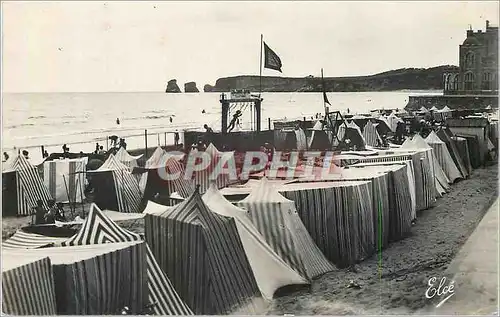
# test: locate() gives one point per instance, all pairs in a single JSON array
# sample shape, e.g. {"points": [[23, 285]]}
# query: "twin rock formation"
{"points": [[172, 87]]}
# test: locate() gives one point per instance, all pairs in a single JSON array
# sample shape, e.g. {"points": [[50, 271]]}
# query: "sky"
{"points": [[138, 46]]}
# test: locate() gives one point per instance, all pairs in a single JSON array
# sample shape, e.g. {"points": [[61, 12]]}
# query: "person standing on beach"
{"points": [[26, 154], [176, 138], [171, 119], [101, 150], [5, 156], [39, 213], [208, 134], [96, 148], [117, 120], [113, 139]]}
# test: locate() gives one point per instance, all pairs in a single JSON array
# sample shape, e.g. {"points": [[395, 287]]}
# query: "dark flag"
{"points": [[271, 60], [325, 98]]}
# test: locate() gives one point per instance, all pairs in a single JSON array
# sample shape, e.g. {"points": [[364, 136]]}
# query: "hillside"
{"points": [[405, 78]]}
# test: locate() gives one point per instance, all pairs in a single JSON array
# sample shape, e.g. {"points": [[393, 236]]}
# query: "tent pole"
{"points": [[67, 193]]}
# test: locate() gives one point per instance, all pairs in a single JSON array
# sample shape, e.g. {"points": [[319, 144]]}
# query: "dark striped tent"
{"points": [[156, 179], [203, 255], [22, 187], [27, 285], [339, 217], [277, 220], [115, 188], [270, 271], [95, 279], [473, 144], [400, 208], [99, 229], [445, 135], [65, 179], [463, 152]]}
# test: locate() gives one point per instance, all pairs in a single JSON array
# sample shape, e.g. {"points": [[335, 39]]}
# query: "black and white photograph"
{"points": [[288, 158]]}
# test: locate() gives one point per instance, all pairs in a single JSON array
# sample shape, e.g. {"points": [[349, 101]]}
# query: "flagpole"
{"points": [[260, 65], [324, 91]]}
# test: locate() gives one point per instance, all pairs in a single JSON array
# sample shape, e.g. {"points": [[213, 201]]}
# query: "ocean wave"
{"points": [[36, 117]]}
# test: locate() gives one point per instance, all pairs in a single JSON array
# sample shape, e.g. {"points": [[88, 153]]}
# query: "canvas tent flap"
{"points": [[270, 271], [268, 210], [443, 157]]}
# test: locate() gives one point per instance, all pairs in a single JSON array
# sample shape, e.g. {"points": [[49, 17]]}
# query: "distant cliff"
{"points": [[172, 86], [405, 78], [190, 87]]}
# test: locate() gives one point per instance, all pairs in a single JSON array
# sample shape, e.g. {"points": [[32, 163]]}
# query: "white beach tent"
{"points": [[441, 180], [277, 220], [270, 271], [393, 121], [443, 156], [126, 159], [434, 108], [423, 109], [65, 179]]}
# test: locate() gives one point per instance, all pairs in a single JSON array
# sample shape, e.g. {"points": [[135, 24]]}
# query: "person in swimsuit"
{"points": [[234, 121]]}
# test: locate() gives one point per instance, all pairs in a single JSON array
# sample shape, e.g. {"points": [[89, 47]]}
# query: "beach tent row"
{"points": [[91, 278], [208, 240]]}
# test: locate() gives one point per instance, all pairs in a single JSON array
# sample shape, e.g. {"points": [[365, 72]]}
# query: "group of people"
{"points": [[44, 216]]}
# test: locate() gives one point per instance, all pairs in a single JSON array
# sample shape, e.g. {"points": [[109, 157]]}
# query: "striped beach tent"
{"points": [[95, 279], [371, 135], [22, 187], [213, 171], [158, 167], [421, 167], [463, 151], [443, 156], [339, 217], [270, 271], [202, 253], [441, 180], [126, 159], [28, 285], [99, 228], [446, 135], [65, 179], [27, 240], [277, 220], [115, 187]]}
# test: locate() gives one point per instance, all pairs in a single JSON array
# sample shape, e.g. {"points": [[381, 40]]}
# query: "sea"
{"points": [[30, 120]]}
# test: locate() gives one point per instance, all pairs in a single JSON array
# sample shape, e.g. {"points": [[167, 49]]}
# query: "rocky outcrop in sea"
{"points": [[190, 87], [172, 86]]}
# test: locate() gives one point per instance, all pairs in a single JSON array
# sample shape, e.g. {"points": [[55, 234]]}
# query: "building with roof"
{"points": [[478, 65]]}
